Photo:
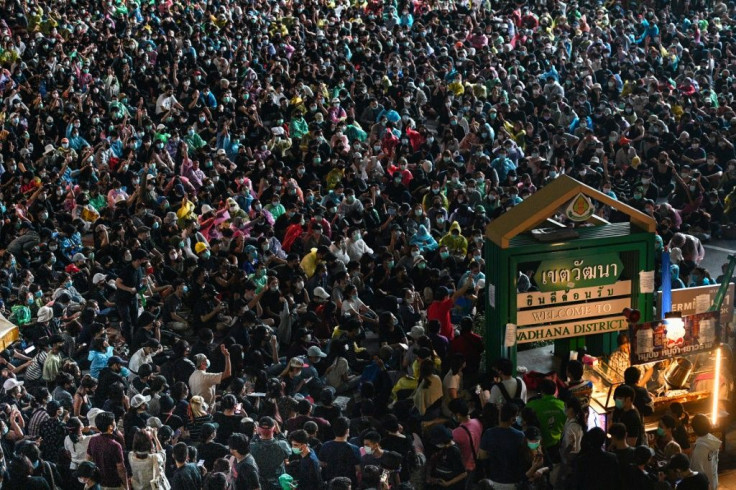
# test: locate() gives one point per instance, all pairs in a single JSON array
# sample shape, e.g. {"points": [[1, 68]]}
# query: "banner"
{"points": [[674, 337]]}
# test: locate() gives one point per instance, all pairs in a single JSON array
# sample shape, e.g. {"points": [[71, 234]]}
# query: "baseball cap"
{"points": [[11, 383], [139, 400], [320, 292], [315, 351], [115, 360], [267, 423], [98, 278]]}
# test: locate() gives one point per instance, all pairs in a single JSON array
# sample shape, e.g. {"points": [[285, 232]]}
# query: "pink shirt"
{"points": [[460, 436]]}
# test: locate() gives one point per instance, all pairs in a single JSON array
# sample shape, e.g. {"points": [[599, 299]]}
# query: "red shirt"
{"points": [[440, 310], [471, 346], [106, 453]]}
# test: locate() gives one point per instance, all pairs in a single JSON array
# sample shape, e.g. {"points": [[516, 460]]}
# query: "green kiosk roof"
{"points": [[546, 203]]}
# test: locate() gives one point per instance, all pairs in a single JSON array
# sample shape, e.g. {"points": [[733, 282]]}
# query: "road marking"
{"points": [[719, 249]]}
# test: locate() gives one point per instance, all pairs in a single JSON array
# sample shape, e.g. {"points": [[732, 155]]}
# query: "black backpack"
{"points": [[517, 392]]}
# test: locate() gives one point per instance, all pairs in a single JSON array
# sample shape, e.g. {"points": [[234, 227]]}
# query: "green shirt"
{"points": [[551, 414]]}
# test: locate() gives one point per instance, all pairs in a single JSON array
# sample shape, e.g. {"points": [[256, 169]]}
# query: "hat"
{"points": [[11, 383], [165, 404], [115, 360], [78, 257], [595, 160], [45, 314], [92, 414], [154, 422], [416, 332], [48, 149], [207, 430], [440, 435], [296, 362], [200, 247], [98, 278], [278, 131], [320, 292], [170, 217], [53, 407], [315, 351], [206, 208], [146, 318], [139, 400], [418, 259], [220, 152], [267, 423]]}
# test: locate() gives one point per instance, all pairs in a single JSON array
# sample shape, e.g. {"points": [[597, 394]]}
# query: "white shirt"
{"points": [[496, 396], [77, 450], [202, 383], [356, 249], [139, 358]]}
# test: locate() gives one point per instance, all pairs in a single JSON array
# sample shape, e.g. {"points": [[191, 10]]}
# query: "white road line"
{"points": [[720, 249]]}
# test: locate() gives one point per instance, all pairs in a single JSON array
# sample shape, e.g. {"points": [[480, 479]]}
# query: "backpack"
{"points": [[517, 392]]}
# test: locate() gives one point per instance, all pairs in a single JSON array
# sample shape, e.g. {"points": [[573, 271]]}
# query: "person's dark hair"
{"points": [[339, 483], [20, 468], [575, 369], [701, 425], [680, 462], [434, 326], [142, 442], [678, 410], [228, 402], [88, 469], [593, 440], [624, 391], [104, 421], [340, 426], [505, 366], [574, 404], [547, 387], [311, 427], [426, 370], [180, 452], [299, 436], [623, 338], [73, 426], [459, 406], [371, 476], [617, 431], [179, 390], [215, 481], [456, 363], [632, 376], [466, 324], [30, 451], [668, 421], [240, 443], [372, 436], [508, 412]]}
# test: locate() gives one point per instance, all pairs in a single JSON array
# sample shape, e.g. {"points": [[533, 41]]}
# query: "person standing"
{"points": [[202, 383], [244, 468], [499, 449], [339, 457], [467, 435], [128, 283], [270, 454], [551, 412], [106, 451], [705, 450], [626, 413], [186, 475], [307, 470]]}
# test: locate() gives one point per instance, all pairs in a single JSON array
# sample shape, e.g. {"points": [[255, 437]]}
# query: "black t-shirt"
{"points": [[340, 459], [633, 423], [131, 277], [696, 482], [227, 424], [211, 451]]}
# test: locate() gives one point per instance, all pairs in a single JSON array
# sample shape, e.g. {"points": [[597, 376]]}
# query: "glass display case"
{"points": [[687, 379]]}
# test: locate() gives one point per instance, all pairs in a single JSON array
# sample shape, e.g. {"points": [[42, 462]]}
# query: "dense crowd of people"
{"points": [[243, 241]]}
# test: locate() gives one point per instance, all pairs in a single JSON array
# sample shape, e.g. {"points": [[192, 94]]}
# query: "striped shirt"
{"points": [[38, 417], [35, 369]]}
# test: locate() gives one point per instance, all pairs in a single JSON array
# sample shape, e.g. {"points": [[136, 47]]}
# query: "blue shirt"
{"points": [[503, 446]]}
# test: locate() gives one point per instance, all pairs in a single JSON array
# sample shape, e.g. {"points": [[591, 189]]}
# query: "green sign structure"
{"points": [[591, 270], [584, 271]]}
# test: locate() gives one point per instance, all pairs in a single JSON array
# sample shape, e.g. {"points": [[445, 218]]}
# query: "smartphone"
{"points": [[391, 212]]}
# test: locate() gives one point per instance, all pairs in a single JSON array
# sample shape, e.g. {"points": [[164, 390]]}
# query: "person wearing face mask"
{"points": [[201, 382], [648, 187], [627, 414], [303, 340], [52, 432], [306, 469], [533, 463]]}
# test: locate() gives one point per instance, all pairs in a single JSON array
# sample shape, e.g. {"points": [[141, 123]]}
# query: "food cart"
{"points": [[679, 358]]}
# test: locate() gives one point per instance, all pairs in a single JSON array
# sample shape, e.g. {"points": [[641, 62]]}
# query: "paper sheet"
{"points": [[510, 339], [646, 281], [702, 303], [491, 294]]}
